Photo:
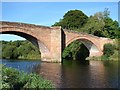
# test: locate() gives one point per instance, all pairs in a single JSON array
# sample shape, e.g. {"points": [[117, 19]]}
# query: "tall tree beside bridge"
{"points": [[73, 19]]}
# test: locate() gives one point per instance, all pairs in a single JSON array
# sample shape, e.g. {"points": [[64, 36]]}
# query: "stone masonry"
{"points": [[51, 41]]}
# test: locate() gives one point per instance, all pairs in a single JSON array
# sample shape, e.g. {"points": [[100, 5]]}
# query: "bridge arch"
{"points": [[52, 40], [91, 44], [30, 36]]}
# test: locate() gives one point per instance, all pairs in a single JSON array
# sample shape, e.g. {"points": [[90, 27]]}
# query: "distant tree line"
{"points": [[19, 50]]}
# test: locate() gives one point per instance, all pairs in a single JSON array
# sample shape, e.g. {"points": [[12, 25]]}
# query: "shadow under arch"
{"points": [[90, 45], [83, 53], [88, 42], [87, 49], [42, 48]]}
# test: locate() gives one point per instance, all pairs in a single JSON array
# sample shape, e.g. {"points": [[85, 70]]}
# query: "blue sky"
{"points": [[47, 13]]}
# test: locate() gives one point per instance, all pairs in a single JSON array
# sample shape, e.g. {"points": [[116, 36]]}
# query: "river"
{"points": [[72, 74]]}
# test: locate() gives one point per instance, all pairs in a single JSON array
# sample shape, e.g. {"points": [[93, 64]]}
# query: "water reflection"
{"points": [[73, 74], [50, 71]]}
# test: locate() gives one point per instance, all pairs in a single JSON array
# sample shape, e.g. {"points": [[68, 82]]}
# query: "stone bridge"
{"points": [[51, 41]]}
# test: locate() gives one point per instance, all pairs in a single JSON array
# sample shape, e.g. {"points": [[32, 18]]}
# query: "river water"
{"points": [[72, 74]]}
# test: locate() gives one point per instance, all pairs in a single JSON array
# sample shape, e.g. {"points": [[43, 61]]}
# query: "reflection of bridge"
{"points": [[52, 40]]}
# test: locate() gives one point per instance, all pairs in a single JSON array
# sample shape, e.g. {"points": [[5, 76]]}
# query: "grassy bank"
{"points": [[16, 80]]}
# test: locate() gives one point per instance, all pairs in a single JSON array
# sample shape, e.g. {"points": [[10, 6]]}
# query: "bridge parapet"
{"points": [[24, 25], [81, 33]]}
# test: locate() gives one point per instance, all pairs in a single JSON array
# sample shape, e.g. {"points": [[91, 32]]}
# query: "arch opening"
{"points": [[80, 49], [30, 38], [41, 48], [19, 49]]}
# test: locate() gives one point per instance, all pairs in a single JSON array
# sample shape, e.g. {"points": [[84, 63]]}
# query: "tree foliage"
{"points": [[19, 50], [73, 19], [71, 50], [100, 24], [111, 27], [108, 49], [75, 51], [94, 25]]}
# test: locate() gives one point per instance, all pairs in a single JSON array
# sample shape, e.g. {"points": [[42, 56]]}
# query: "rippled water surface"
{"points": [[72, 74]]}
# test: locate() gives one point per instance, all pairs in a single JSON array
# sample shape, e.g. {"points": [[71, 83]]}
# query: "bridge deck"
{"points": [[19, 24], [82, 33]]}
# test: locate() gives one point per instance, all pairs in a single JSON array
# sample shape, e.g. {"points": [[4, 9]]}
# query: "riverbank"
{"points": [[14, 79], [102, 58]]}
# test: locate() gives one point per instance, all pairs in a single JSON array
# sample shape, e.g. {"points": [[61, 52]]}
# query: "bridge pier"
{"points": [[46, 57], [55, 50]]}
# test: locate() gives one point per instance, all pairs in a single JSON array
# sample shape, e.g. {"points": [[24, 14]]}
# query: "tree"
{"points": [[94, 25], [9, 52], [106, 13], [108, 49], [73, 19], [76, 50], [19, 50], [111, 27], [101, 25], [117, 32]]}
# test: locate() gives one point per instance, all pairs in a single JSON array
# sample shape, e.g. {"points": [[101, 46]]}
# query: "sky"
{"points": [[60, 0], [47, 13]]}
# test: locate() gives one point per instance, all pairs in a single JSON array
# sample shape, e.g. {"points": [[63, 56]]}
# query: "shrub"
{"points": [[15, 79], [108, 49]]}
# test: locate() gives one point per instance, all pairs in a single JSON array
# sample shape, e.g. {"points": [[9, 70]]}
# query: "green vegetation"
{"points": [[19, 50], [16, 80], [108, 49], [75, 51], [100, 24], [73, 19]]}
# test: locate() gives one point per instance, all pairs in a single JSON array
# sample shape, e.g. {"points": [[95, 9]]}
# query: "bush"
{"points": [[108, 49], [14, 79], [10, 76]]}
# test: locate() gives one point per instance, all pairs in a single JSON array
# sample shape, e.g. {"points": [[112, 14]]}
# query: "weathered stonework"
{"points": [[52, 40]]}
